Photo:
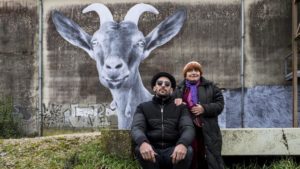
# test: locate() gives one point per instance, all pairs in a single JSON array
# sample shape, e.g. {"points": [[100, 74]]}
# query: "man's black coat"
{"points": [[162, 124]]}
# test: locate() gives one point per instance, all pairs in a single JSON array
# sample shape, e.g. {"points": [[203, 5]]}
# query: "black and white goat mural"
{"points": [[118, 49]]}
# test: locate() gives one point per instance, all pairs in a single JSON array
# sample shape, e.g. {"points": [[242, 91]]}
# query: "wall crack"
{"points": [[284, 141]]}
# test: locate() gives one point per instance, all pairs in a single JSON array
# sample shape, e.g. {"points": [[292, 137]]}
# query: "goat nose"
{"points": [[117, 66], [113, 64]]}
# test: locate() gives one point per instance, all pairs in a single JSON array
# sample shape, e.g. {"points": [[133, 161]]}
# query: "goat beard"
{"points": [[111, 86]]}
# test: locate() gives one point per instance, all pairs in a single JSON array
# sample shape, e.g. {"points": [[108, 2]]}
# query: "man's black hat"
{"points": [[163, 74]]}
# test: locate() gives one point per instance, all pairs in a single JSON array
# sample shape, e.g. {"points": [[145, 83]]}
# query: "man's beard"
{"points": [[166, 95], [163, 96]]}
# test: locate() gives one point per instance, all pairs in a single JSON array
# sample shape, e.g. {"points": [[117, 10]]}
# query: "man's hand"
{"points": [[179, 153], [197, 110], [147, 152]]}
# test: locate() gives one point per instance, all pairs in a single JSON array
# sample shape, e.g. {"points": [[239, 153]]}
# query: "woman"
{"points": [[205, 102]]}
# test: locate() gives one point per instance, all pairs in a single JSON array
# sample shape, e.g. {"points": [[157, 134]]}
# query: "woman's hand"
{"points": [[197, 110], [178, 101]]}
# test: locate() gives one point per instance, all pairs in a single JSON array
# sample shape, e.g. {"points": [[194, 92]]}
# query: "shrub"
{"points": [[9, 125]]}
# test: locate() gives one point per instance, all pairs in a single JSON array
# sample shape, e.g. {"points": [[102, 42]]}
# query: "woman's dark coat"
{"points": [[211, 98]]}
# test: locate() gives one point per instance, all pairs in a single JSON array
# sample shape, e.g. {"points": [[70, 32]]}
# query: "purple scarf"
{"points": [[193, 92], [191, 98]]}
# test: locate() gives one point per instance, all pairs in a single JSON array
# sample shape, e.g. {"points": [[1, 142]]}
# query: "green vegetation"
{"points": [[60, 152], [85, 151], [90, 157], [9, 124], [49, 153]]}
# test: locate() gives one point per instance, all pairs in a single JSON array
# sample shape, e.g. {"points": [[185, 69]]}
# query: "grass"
{"points": [[49, 154], [90, 157], [85, 152], [59, 153]]}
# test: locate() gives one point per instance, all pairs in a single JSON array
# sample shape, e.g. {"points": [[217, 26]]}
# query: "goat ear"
{"points": [[72, 32], [165, 31]]}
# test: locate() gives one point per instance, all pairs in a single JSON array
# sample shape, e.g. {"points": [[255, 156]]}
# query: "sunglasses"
{"points": [[160, 83]]}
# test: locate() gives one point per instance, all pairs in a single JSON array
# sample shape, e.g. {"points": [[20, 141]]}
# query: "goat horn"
{"points": [[103, 12], [136, 11]]}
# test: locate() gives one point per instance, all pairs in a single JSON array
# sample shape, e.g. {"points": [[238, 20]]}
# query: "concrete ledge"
{"points": [[236, 142], [117, 142], [261, 141]]}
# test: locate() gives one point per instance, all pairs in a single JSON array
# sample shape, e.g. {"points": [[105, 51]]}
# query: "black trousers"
{"points": [[163, 159]]}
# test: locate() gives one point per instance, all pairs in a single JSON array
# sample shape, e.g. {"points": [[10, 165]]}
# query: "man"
{"points": [[163, 131]]}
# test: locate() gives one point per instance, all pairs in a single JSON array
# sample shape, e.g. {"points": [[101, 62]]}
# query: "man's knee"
{"points": [[145, 164], [137, 152], [189, 153], [189, 156], [186, 162]]}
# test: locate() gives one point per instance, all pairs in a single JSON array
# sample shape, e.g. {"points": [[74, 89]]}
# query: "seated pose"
{"points": [[161, 130]]}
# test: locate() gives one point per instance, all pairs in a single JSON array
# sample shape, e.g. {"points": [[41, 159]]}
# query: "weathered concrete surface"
{"points": [[211, 36], [71, 76], [243, 142], [265, 107], [117, 142], [267, 41], [236, 142], [263, 141], [18, 58], [79, 116]]}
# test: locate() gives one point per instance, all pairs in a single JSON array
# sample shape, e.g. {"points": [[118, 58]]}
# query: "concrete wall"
{"points": [[74, 97], [210, 35], [18, 58]]}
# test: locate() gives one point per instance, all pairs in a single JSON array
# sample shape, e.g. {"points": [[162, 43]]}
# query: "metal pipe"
{"points": [[295, 61], [242, 62], [40, 106]]}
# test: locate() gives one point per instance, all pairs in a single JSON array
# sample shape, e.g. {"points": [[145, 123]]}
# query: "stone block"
{"points": [[117, 142], [236, 142], [261, 141]]}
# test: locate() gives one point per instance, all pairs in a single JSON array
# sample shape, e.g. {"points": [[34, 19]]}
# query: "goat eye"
{"points": [[95, 42], [141, 43]]}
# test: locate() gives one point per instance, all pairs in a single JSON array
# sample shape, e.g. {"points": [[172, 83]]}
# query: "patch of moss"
{"points": [[59, 131]]}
